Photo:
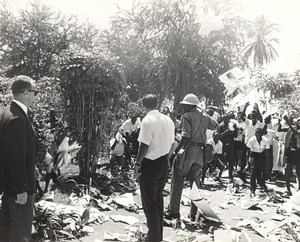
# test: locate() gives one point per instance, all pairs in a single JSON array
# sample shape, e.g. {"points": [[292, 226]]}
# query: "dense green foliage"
{"points": [[161, 50], [90, 86], [93, 79]]}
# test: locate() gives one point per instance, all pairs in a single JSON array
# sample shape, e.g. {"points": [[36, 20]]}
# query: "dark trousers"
{"points": [[154, 175], [228, 154], [293, 159], [16, 219], [119, 160], [258, 163], [241, 150], [269, 165]]}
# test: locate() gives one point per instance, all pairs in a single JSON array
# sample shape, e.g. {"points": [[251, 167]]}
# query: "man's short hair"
{"points": [[21, 83], [150, 101], [254, 114], [259, 130]]}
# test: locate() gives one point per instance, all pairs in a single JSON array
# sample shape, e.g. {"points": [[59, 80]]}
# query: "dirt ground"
{"points": [[228, 206]]}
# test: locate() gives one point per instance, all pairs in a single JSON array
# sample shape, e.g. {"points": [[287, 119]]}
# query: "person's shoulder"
{"points": [[251, 139], [147, 119], [127, 121], [166, 118], [202, 114]]}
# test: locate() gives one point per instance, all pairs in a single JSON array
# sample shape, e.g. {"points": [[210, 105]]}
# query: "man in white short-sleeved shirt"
{"points": [[217, 147], [156, 141], [253, 122], [130, 125], [259, 156]]}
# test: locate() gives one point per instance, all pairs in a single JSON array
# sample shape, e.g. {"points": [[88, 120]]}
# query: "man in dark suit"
{"points": [[18, 145]]}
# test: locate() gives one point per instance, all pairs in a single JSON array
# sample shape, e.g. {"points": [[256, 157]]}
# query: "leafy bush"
{"points": [[48, 99], [91, 86]]}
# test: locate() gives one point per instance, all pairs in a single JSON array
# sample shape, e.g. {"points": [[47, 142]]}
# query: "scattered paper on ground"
{"points": [[125, 219]]}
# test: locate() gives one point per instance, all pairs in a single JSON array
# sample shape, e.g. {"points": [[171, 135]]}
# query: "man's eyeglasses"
{"points": [[34, 91]]}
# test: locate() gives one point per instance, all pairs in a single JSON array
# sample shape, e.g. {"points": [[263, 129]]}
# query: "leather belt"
{"points": [[196, 144]]}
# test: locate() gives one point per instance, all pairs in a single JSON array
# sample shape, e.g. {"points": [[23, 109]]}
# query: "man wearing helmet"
{"points": [[193, 136]]}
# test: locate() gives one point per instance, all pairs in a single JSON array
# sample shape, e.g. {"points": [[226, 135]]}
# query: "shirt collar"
{"points": [[25, 109]]}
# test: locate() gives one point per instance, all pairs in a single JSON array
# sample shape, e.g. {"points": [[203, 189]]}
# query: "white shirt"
{"points": [[258, 147], [157, 131], [250, 129], [129, 127], [23, 106], [209, 134], [215, 116], [217, 147], [119, 148], [271, 135]]}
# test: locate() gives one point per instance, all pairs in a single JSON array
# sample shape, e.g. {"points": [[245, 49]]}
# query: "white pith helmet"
{"points": [[190, 99]]}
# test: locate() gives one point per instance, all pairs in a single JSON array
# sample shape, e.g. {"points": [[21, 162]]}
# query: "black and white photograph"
{"points": [[149, 120]]}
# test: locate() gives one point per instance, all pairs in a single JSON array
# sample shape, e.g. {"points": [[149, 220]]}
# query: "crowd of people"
{"points": [[252, 148], [190, 145]]}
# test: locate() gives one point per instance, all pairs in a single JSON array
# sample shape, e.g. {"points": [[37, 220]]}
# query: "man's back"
{"points": [[194, 125], [157, 131]]}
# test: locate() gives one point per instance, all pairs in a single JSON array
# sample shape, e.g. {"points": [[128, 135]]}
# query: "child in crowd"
{"points": [[259, 156], [215, 146]]}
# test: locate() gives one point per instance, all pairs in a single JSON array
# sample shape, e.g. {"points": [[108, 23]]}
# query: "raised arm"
{"points": [[243, 115], [259, 116], [290, 124]]}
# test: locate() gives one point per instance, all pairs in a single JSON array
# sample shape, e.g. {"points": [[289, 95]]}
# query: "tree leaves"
{"points": [[90, 86], [260, 48]]}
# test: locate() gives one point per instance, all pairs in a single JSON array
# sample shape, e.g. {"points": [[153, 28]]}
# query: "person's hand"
{"points": [[136, 173], [247, 104], [285, 117], [22, 198], [36, 172]]}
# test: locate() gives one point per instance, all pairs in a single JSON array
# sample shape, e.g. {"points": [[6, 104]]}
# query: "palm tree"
{"points": [[261, 49]]}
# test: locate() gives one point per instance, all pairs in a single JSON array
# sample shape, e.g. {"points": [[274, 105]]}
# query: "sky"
{"points": [[283, 12]]}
